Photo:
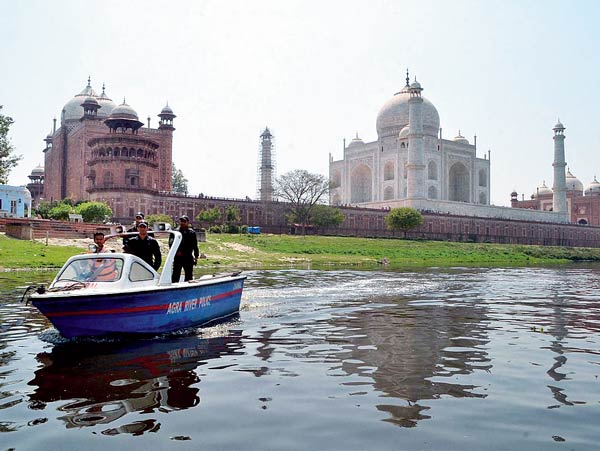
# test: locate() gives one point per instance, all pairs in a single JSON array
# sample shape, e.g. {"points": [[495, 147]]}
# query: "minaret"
{"points": [[415, 178], [559, 201], [266, 167]]}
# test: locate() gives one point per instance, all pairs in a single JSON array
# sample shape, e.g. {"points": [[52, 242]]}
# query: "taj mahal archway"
{"points": [[458, 182], [361, 184]]}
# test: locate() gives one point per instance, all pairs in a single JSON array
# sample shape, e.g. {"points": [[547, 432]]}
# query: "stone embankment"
{"points": [[30, 228]]}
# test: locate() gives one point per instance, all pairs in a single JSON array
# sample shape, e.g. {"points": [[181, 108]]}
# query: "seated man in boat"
{"points": [[187, 254], [104, 270], [98, 245], [144, 246]]}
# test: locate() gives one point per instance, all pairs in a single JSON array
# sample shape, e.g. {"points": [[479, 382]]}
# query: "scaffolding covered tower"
{"points": [[266, 166]]}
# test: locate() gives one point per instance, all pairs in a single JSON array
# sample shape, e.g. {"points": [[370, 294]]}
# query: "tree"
{"points": [[180, 183], [303, 191], [7, 159], [211, 216], [61, 210], [232, 215], [44, 209], [326, 216], [94, 211], [404, 219]]}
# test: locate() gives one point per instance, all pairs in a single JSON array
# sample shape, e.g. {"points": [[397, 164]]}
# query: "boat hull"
{"points": [[151, 310]]}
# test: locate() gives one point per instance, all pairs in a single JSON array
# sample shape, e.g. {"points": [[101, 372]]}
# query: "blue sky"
{"points": [[315, 72]]}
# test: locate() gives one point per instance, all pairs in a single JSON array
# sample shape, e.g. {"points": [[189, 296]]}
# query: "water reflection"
{"points": [[106, 381], [501, 356], [399, 349]]}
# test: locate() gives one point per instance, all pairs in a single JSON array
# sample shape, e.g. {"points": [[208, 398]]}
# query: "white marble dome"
{"points": [[573, 183], [73, 109], [356, 142], [123, 111], [37, 171], [460, 139], [393, 116], [593, 189], [168, 110], [404, 132], [541, 190], [106, 105]]}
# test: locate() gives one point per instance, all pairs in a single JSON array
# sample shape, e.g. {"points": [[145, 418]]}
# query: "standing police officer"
{"points": [[144, 246], [187, 254]]}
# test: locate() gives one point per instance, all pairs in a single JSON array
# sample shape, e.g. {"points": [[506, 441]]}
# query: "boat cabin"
{"points": [[109, 270]]}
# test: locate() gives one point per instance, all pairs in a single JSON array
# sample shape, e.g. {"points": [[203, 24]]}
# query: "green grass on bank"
{"points": [[281, 250], [254, 251], [33, 254]]}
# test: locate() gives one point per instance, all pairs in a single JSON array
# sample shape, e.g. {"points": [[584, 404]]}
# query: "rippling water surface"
{"points": [[465, 359]]}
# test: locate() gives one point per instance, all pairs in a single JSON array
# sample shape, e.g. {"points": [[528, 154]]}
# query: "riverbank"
{"points": [[253, 251]]}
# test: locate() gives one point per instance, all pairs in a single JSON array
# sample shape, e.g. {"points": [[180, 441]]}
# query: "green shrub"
{"points": [[231, 228]]}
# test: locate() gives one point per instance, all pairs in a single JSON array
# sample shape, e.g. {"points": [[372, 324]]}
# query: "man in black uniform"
{"points": [[144, 246], [139, 217], [187, 254]]}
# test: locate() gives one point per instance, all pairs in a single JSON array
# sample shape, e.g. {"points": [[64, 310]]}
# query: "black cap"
{"points": [[184, 218], [142, 223], [139, 213]]}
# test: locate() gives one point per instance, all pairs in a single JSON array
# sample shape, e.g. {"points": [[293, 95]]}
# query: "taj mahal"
{"points": [[412, 165]]}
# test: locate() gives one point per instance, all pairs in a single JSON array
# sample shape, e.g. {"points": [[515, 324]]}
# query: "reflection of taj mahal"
{"points": [[410, 159]]}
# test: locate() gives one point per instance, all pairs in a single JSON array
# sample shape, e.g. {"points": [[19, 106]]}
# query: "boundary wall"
{"points": [[359, 221]]}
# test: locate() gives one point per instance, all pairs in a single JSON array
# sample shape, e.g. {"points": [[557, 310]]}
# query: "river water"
{"points": [[461, 358]]}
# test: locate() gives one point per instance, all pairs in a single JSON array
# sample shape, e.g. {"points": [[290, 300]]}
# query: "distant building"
{"points": [[412, 165], [583, 204], [266, 166], [36, 185], [410, 159], [103, 152], [15, 201]]}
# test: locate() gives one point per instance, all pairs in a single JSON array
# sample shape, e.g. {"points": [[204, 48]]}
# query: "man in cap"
{"points": [[144, 246], [187, 253], [139, 217]]}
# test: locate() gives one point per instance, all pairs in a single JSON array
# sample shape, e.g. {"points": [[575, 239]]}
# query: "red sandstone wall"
{"points": [[56, 229]]}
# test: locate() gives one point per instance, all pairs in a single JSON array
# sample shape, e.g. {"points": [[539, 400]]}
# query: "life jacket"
{"points": [[105, 271]]}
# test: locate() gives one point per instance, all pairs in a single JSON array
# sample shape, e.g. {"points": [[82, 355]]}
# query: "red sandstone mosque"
{"points": [[103, 152], [583, 204]]}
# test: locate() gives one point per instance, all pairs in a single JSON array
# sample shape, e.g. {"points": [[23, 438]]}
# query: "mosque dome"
{"points": [[123, 117], [37, 171], [167, 109], [542, 190], [123, 111], [106, 104], [73, 109], [573, 183], [393, 115], [460, 139], [356, 142], [593, 189]]}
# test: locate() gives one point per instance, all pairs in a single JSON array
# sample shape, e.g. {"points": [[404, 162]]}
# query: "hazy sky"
{"points": [[315, 72]]}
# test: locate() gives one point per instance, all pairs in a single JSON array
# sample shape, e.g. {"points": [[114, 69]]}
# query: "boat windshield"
{"points": [[105, 269]]}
